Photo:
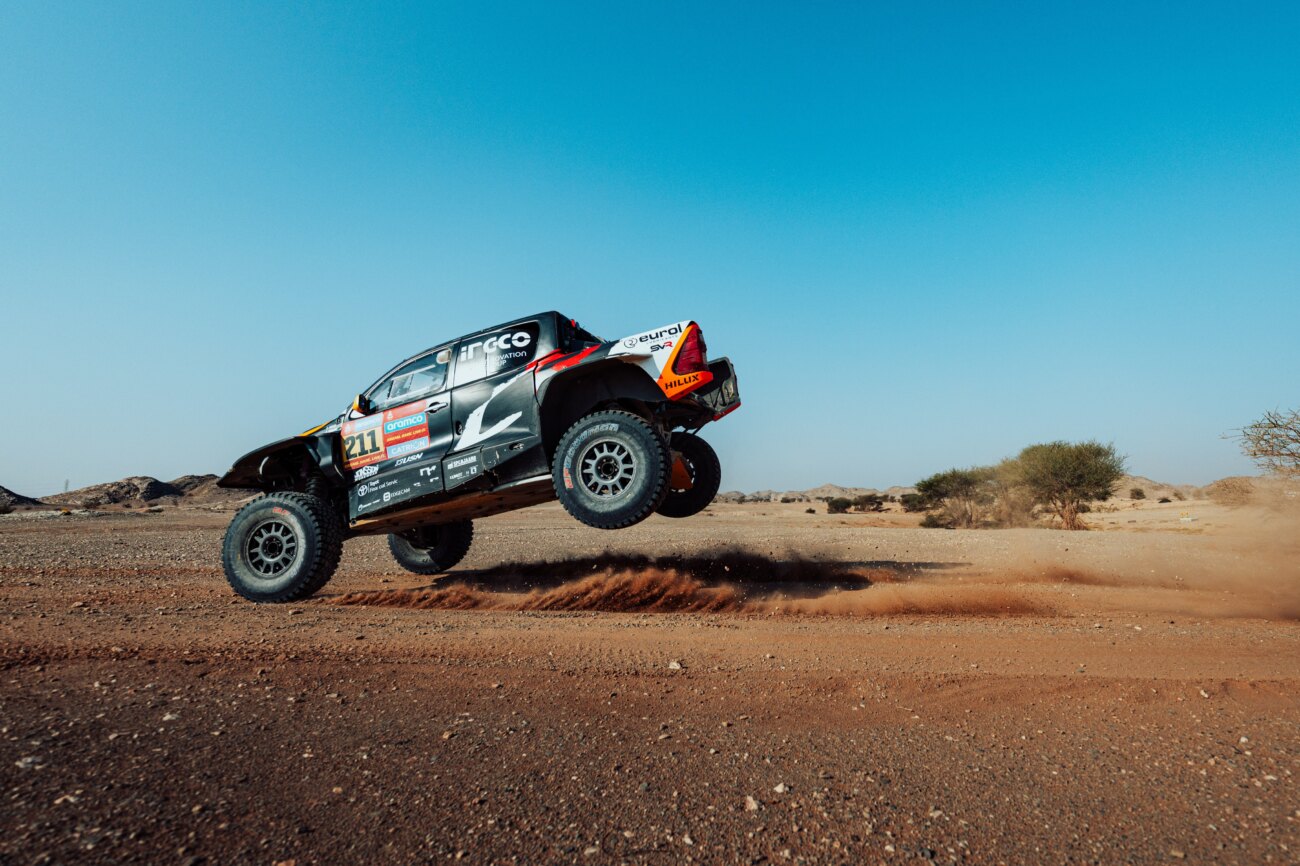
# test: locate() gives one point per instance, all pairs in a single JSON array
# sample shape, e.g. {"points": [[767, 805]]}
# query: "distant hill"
{"points": [[9, 499], [146, 490], [1156, 489], [812, 494]]}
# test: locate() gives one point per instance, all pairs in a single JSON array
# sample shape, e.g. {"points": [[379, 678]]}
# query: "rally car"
{"points": [[527, 412]]}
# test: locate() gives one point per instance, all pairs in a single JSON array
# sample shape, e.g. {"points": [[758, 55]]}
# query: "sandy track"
{"points": [[1094, 710]]}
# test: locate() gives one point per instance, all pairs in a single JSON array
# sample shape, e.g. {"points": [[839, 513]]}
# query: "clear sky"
{"points": [[928, 234]]}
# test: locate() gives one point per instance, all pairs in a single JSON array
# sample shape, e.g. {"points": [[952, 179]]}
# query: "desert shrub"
{"points": [[1164, 500], [838, 505], [6, 508], [958, 494], [1065, 476], [869, 502], [1178, 494], [1012, 501], [912, 502], [786, 500], [934, 520], [1231, 491], [810, 511], [1137, 493]]}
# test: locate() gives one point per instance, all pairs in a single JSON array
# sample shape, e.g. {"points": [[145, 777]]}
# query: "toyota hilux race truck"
{"points": [[527, 412]]}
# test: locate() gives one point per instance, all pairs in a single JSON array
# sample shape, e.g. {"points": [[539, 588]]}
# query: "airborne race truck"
{"points": [[527, 412]]}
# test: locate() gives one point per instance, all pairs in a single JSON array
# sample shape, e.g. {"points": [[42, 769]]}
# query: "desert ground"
{"points": [[752, 685]]}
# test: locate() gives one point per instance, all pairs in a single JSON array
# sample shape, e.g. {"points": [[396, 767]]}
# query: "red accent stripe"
{"points": [[543, 361], [571, 360]]}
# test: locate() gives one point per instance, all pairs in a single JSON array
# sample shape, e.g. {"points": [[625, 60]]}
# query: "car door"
{"points": [[494, 406], [394, 453]]}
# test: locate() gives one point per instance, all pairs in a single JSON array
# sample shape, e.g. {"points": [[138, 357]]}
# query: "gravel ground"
{"points": [[911, 695]]}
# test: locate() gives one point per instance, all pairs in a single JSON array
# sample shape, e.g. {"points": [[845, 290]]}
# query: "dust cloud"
{"points": [[727, 581]]}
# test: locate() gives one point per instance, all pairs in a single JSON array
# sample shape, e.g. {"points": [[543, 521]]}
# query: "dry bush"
{"points": [[1274, 442]]}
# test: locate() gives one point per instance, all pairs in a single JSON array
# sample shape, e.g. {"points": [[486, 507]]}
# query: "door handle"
{"points": [[436, 407]]}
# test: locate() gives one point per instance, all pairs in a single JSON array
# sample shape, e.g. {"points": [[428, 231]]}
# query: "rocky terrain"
{"points": [[136, 491], [825, 689]]}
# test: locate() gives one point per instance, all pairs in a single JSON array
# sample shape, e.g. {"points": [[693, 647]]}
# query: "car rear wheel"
{"points": [[281, 547], [432, 549], [703, 473], [611, 470]]}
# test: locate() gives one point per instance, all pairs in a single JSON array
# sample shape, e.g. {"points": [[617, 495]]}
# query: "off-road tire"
{"points": [[332, 525], [432, 549], [706, 476], [611, 469], [281, 547]]}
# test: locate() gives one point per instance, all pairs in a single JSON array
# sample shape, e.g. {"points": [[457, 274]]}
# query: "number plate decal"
{"points": [[387, 434]]}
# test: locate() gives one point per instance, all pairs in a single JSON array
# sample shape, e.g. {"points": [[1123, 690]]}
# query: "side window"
{"points": [[488, 354], [425, 375]]}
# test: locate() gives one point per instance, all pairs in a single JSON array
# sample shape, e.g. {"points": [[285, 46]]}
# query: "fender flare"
{"points": [[271, 466], [569, 394]]}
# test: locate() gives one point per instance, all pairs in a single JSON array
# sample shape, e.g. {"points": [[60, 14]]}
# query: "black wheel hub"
{"points": [[271, 548]]}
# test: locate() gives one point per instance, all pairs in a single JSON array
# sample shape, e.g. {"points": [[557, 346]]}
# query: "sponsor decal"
{"points": [[278, 510], [676, 385], [655, 335], [568, 479], [461, 469], [629, 343], [388, 434], [659, 347], [408, 446], [387, 496], [429, 472], [403, 423], [365, 472], [362, 424], [496, 344], [405, 460]]}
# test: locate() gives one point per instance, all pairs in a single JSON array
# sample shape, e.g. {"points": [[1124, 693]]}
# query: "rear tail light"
{"points": [[693, 357]]}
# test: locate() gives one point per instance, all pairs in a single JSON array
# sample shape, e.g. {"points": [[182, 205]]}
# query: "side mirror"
{"points": [[360, 405]]}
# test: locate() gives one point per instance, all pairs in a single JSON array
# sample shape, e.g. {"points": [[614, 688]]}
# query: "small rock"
{"points": [[751, 805], [170, 717], [780, 788], [27, 763], [674, 665]]}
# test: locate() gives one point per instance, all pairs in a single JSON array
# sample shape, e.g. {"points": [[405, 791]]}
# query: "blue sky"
{"points": [[928, 234]]}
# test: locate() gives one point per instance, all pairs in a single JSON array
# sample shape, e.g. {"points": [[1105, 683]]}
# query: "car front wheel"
{"points": [[281, 547]]}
